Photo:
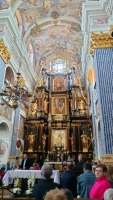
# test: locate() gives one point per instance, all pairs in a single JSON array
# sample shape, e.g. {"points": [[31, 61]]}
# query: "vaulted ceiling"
{"points": [[53, 28]]}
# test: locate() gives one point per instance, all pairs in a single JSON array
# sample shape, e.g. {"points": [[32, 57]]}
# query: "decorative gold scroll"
{"points": [[89, 75], [4, 52], [101, 40]]}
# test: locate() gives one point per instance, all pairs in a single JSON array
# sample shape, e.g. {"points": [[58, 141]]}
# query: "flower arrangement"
{"points": [[17, 186], [30, 183]]}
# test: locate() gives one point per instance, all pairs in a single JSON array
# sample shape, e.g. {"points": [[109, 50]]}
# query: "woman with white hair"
{"points": [[45, 184], [108, 194]]}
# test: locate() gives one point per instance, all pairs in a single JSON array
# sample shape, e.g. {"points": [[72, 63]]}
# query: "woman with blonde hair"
{"points": [[109, 174], [55, 194]]}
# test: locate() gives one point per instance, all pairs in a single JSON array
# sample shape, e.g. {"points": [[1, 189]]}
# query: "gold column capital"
{"points": [[101, 40], [4, 52], [89, 77]]}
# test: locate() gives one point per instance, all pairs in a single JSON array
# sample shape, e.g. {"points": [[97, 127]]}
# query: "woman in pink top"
{"points": [[102, 184]]}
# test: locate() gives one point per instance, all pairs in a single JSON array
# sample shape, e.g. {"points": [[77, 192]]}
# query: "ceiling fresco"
{"points": [[54, 37], [53, 28], [4, 4], [35, 10]]}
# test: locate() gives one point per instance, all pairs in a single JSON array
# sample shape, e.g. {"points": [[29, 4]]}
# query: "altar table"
{"points": [[11, 174]]}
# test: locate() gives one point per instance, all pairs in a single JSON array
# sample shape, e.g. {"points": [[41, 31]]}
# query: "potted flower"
{"points": [[30, 184]]}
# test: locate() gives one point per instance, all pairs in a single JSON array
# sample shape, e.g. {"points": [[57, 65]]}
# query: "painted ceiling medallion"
{"points": [[76, 27], [54, 15]]}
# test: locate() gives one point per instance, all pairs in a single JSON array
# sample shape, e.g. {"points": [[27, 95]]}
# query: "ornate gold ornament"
{"points": [[14, 105], [77, 81], [22, 106], [39, 83], [35, 30], [4, 52], [89, 75], [101, 40], [21, 81]]}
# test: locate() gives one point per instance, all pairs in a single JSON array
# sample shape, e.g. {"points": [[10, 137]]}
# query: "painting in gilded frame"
{"points": [[59, 105], [59, 84], [59, 138]]}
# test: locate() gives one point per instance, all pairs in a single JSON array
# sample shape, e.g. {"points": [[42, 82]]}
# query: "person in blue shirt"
{"points": [[85, 181], [7, 166], [53, 167]]}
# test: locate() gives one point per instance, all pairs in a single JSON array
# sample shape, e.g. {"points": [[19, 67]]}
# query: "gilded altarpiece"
{"points": [[55, 128]]}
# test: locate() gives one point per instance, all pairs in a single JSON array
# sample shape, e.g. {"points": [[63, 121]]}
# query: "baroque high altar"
{"points": [[58, 126]]}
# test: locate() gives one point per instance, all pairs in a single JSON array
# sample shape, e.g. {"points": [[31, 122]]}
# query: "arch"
{"points": [[4, 130], [9, 75]]}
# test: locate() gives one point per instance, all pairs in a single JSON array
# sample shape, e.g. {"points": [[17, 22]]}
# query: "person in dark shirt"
{"points": [[53, 167], [45, 184], [69, 181], [80, 163], [25, 164]]}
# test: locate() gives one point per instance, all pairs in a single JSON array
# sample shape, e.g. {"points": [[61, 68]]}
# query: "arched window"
{"points": [[59, 66]]}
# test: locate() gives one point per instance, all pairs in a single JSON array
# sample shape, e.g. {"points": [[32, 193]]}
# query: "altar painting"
{"points": [[59, 105], [59, 84], [59, 138]]}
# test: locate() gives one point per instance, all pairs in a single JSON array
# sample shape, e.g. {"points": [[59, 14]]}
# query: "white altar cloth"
{"points": [[10, 175]]}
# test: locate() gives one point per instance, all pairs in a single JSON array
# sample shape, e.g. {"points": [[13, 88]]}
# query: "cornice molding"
{"points": [[101, 40], [4, 52]]}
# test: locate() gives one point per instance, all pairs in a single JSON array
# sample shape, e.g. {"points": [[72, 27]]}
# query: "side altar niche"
{"points": [[58, 126]]}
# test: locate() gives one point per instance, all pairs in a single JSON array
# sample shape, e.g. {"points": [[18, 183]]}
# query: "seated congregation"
{"points": [[95, 182]]}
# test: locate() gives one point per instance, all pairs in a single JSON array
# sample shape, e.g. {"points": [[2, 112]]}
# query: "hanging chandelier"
{"points": [[18, 93]]}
